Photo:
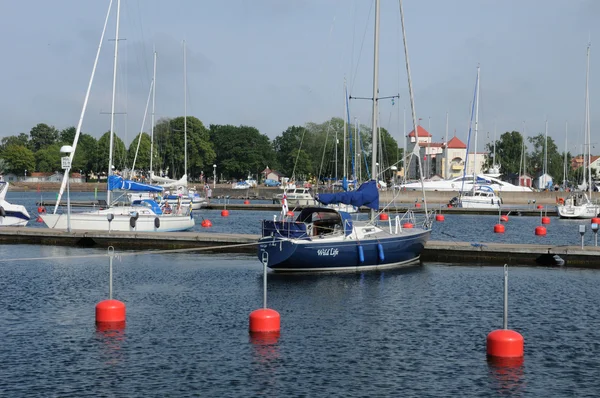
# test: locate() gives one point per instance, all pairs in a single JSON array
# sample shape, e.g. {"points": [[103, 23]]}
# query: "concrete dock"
{"points": [[442, 251]]}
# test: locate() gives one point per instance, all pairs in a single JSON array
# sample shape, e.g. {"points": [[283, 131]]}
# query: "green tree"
{"points": [[286, 146], [508, 152], [170, 139], [67, 135], [87, 156], [21, 139], [241, 150], [119, 153], [43, 136], [142, 162], [20, 158], [4, 166], [555, 159], [47, 159]]}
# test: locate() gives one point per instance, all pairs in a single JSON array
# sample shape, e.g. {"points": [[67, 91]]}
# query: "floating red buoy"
{"points": [[540, 231], [540, 207], [505, 343], [206, 223], [246, 202], [383, 217], [439, 217], [39, 219], [290, 213], [417, 205], [545, 220], [408, 225], [224, 213], [112, 311], [265, 320], [499, 228], [595, 220], [504, 218]]}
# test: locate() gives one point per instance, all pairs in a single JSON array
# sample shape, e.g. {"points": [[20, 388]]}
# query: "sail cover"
{"points": [[118, 183], [366, 195]]}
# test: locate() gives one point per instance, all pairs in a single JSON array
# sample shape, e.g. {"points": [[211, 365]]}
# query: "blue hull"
{"points": [[321, 255]]}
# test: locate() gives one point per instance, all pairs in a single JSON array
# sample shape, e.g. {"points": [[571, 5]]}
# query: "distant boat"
{"points": [[297, 197], [11, 215], [466, 183], [482, 197]]}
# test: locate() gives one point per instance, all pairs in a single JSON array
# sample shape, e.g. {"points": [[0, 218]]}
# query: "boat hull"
{"points": [[296, 255], [121, 222], [578, 212]]}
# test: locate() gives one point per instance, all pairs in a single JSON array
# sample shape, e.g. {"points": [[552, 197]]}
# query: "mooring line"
{"points": [[129, 254]]}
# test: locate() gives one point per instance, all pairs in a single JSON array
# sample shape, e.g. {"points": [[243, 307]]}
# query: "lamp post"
{"points": [[66, 165], [25, 173], [214, 176]]}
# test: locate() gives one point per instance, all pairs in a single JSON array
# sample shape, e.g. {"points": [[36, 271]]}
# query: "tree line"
{"points": [[303, 152]]}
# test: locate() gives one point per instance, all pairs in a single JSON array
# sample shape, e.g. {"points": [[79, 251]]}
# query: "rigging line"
{"points": [[353, 76], [324, 149], [139, 15], [130, 254]]}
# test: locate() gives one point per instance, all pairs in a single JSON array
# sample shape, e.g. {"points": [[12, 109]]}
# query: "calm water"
{"points": [[418, 332], [456, 227]]}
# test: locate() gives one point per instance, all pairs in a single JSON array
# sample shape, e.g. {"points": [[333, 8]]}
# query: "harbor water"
{"points": [[415, 332]]}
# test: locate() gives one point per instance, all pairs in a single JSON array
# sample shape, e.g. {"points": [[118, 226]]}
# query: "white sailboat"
{"points": [[143, 215], [11, 215], [579, 205]]}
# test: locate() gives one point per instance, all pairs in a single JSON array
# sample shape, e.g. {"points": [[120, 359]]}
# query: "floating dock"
{"points": [[441, 251]]}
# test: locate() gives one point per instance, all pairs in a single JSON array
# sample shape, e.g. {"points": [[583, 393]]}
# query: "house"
{"points": [[524, 180], [269, 174], [542, 181], [10, 177], [38, 177]]}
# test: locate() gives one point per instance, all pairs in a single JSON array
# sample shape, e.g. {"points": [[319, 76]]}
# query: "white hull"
{"points": [[122, 221], [586, 211], [457, 184], [471, 203], [11, 215]]}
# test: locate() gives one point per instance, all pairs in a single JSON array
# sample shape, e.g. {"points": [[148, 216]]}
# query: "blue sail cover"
{"points": [[118, 183], [366, 195]]}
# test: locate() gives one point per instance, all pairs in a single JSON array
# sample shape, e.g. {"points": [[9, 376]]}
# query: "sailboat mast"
{"points": [[587, 120], [63, 184], [345, 163], [446, 160], [112, 107], [153, 103], [565, 157], [545, 154], [374, 131], [494, 162], [476, 127], [412, 102], [404, 138], [184, 111]]}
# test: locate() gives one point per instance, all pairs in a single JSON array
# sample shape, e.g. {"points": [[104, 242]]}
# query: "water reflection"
{"points": [[506, 375], [111, 336], [265, 346]]}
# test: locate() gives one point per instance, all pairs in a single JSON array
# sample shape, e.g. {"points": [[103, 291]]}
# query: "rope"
{"points": [[143, 253]]}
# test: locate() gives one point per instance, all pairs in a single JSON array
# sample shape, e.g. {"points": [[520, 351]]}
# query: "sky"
{"points": [[272, 64]]}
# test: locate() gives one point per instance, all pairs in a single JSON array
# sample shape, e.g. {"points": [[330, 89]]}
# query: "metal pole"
{"points": [[582, 241], [265, 260], [68, 201], [505, 296], [111, 254]]}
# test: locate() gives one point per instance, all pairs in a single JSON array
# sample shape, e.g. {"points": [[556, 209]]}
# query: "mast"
{"points": [[184, 111], [63, 185], [345, 163], [112, 107], [587, 120], [495, 163], [375, 89], [446, 160], [404, 147], [565, 157], [476, 127], [412, 102], [545, 170], [153, 103]]}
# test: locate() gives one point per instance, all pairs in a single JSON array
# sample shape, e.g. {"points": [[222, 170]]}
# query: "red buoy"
{"points": [[224, 213], [417, 205], [540, 207], [39, 219], [595, 220], [290, 213], [545, 220], [112, 311], [246, 202], [504, 218], [505, 343], [439, 217], [408, 225], [499, 229], [206, 223], [383, 217], [540, 231], [265, 320]]}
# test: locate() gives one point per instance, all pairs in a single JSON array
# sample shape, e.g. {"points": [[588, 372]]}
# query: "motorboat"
{"points": [[298, 196], [11, 215], [466, 183], [480, 197], [577, 206]]}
